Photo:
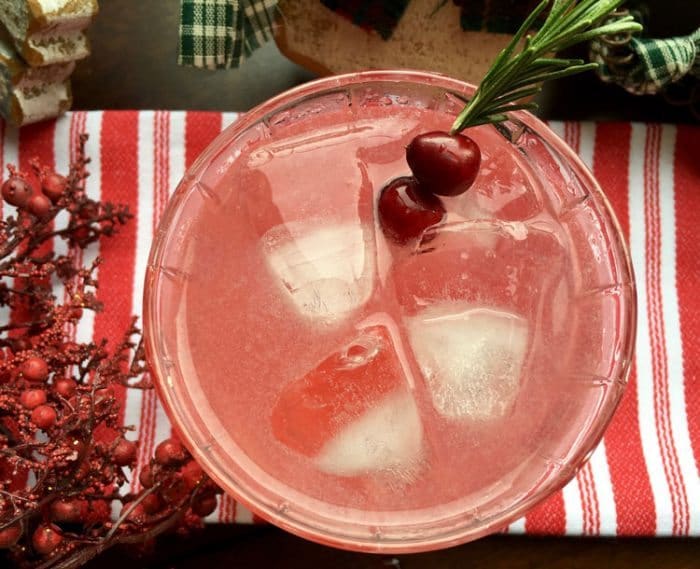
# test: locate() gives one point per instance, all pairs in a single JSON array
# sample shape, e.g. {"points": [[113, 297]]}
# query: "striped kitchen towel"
{"points": [[644, 477]]}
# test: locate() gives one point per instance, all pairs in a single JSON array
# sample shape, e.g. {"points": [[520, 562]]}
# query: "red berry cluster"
{"points": [[442, 164], [65, 457]]}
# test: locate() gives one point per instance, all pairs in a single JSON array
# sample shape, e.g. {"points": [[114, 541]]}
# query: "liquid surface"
{"points": [[449, 375]]}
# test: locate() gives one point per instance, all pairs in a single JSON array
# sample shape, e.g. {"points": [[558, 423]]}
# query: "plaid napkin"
{"points": [[650, 64], [643, 479], [220, 34]]}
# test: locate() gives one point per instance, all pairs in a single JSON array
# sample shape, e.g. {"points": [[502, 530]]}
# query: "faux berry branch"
{"points": [[65, 458], [447, 163]]}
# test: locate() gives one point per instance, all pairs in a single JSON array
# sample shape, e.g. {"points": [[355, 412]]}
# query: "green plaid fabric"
{"points": [[646, 66], [219, 34]]}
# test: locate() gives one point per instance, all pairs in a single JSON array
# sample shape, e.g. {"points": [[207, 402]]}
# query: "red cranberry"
{"points": [[88, 210], [44, 416], [192, 474], [444, 164], [35, 369], [174, 491], [65, 386], [81, 233], [53, 185], [137, 515], [124, 453], [39, 205], [146, 477], [46, 539], [10, 536], [405, 212], [170, 453], [32, 398], [67, 511], [103, 395], [16, 191], [152, 504], [96, 511], [204, 504]]}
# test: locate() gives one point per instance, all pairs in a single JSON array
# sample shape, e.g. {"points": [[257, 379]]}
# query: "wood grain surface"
{"points": [[133, 66]]}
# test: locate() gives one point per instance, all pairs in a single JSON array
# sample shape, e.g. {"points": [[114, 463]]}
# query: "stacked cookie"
{"points": [[40, 41]]}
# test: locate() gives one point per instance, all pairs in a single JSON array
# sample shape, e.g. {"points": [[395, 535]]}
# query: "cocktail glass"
{"points": [[378, 396]]}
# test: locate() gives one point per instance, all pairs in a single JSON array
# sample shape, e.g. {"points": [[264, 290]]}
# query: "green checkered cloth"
{"points": [[220, 34], [646, 66]]}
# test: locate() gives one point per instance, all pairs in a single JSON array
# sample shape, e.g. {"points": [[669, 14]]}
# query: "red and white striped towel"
{"points": [[644, 477]]}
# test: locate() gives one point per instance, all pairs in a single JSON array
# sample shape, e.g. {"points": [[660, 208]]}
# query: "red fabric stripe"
{"points": [[687, 184], [657, 333], [634, 500], [548, 518], [119, 184], [200, 129]]}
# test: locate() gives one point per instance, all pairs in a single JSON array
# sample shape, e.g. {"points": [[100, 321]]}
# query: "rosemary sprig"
{"points": [[513, 76]]}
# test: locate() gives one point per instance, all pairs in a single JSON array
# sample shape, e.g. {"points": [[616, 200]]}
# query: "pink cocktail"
{"points": [[380, 396]]}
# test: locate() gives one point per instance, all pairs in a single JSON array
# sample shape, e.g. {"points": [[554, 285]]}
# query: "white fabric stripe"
{"points": [[143, 211], [604, 489], [62, 151], [177, 149], [518, 526], [674, 346], [227, 119], [65, 125], [243, 515], [10, 151], [557, 127], [93, 189], [586, 143], [573, 510], [645, 379]]}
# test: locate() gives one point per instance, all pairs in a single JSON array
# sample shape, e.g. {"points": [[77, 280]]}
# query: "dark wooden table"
{"points": [[134, 66]]}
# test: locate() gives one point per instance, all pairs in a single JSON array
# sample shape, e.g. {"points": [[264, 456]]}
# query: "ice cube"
{"points": [[326, 270], [388, 437], [508, 265], [344, 387], [471, 358]]}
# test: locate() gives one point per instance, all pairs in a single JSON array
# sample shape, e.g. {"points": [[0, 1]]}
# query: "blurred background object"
{"points": [[134, 65], [40, 41]]}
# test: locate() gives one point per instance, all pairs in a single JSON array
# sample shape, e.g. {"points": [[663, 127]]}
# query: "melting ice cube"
{"points": [[353, 413], [471, 358], [388, 437], [327, 271], [508, 265]]}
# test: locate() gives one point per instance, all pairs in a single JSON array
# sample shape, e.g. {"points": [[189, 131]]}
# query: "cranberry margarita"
{"points": [[371, 389]]}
